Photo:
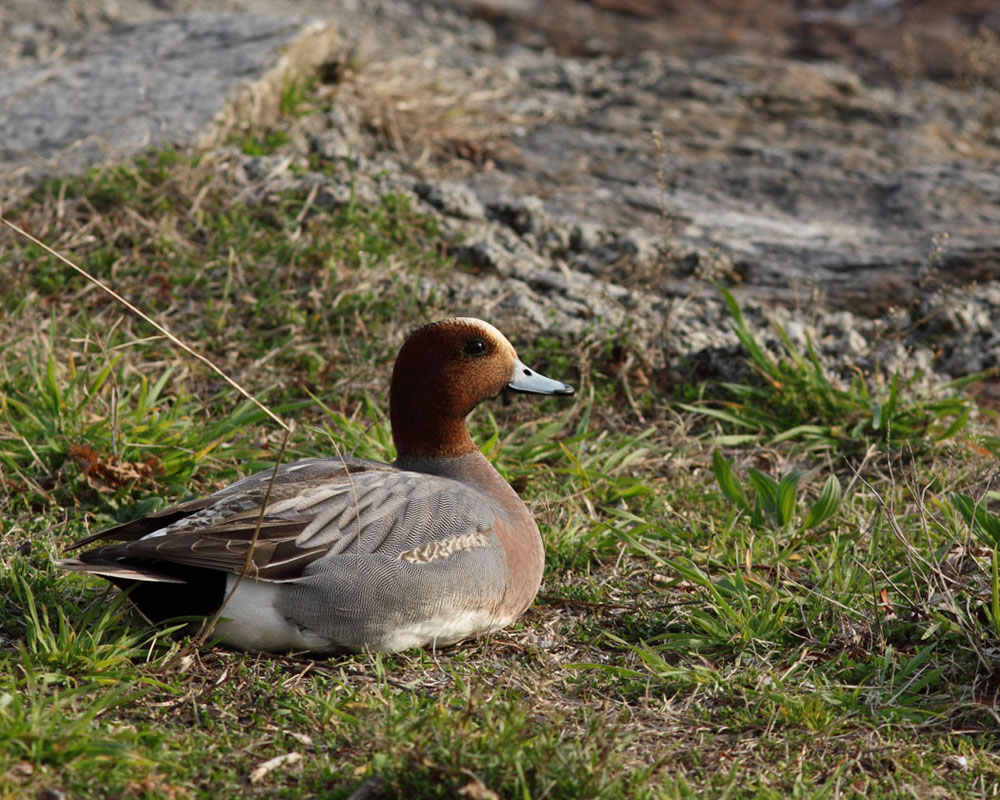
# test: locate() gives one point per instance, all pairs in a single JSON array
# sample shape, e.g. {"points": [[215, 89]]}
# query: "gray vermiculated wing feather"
{"points": [[214, 531], [243, 496], [306, 471], [316, 508], [393, 513], [294, 485]]}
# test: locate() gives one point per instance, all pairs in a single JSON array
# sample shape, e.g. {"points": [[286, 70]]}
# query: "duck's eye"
{"points": [[475, 347]]}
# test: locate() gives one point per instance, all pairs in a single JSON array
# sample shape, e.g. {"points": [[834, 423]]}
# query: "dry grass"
{"points": [[439, 119]]}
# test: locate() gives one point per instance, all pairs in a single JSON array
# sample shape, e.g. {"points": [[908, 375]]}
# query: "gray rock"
{"points": [[586, 236], [344, 120], [453, 199], [641, 248], [853, 344], [800, 173], [331, 145], [526, 215], [185, 80], [555, 241], [799, 334]]}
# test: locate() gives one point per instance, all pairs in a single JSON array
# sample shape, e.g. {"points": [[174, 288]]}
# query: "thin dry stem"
{"points": [[208, 627], [142, 315]]}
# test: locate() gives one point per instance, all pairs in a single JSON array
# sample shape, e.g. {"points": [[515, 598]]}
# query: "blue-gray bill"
{"points": [[527, 380]]}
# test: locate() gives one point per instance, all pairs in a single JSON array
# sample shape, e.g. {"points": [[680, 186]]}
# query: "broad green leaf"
{"points": [[767, 491], [826, 504], [785, 496], [154, 393], [55, 395], [995, 591], [140, 403]]}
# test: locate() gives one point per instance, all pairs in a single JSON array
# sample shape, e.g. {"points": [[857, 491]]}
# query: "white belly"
{"points": [[251, 621], [441, 630]]}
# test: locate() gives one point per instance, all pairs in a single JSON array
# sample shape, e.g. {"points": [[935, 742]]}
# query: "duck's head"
{"points": [[443, 371]]}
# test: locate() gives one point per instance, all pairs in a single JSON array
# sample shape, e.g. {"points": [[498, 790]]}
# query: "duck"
{"points": [[354, 555]]}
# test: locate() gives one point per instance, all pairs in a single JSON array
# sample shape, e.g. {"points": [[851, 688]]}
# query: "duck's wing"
{"points": [[315, 508], [243, 495]]}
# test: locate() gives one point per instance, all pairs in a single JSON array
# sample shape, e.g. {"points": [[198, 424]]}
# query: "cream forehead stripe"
{"points": [[486, 328]]}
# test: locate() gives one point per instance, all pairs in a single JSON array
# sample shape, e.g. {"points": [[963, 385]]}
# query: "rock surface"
{"points": [[183, 80], [599, 162]]}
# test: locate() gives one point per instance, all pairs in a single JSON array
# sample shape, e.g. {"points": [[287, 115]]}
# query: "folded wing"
{"points": [[315, 508]]}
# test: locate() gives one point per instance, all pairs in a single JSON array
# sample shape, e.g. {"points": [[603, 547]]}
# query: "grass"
{"points": [[794, 399], [801, 601]]}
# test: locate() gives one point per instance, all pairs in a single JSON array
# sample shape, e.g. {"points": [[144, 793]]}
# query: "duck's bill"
{"points": [[527, 380]]}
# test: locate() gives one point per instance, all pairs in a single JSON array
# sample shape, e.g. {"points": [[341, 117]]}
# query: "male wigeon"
{"points": [[355, 554]]}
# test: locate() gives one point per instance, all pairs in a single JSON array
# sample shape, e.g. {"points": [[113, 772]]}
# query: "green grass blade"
{"points": [[745, 336], [983, 524], [959, 423], [718, 413], [807, 431], [735, 440], [102, 376], [723, 469]]}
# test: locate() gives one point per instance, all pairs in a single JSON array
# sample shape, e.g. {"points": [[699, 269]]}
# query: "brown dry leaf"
{"points": [[109, 473], [86, 457], [885, 604]]}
